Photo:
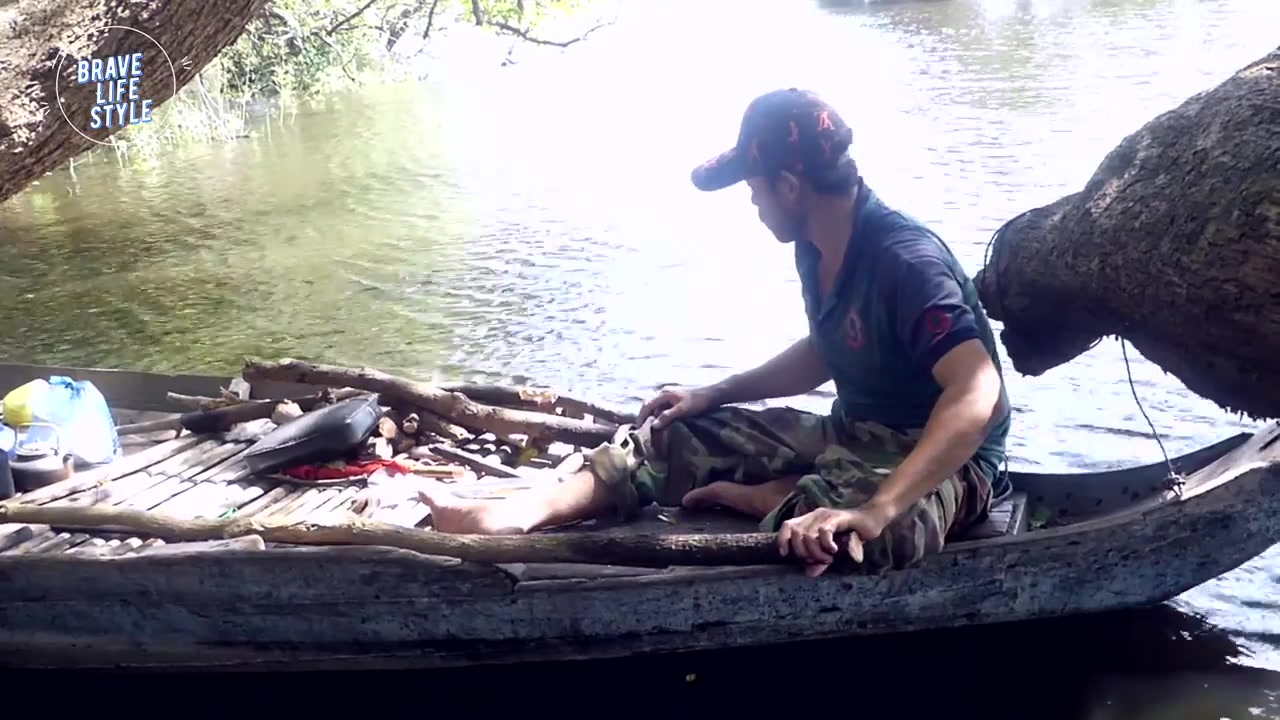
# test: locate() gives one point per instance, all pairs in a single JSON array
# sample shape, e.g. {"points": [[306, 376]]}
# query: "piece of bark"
{"points": [[456, 407], [656, 550], [410, 424], [438, 426], [1173, 244], [541, 399], [387, 428], [378, 447], [285, 412]]}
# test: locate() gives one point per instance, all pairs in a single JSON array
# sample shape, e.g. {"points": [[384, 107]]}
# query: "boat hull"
{"points": [[1126, 542], [371, 608]]}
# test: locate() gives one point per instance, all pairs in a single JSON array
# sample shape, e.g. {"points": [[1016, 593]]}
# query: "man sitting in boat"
{"points": [[914, 441]]}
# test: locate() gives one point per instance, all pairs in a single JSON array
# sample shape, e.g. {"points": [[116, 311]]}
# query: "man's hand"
{"points": [[675, 403], [811, 536]]}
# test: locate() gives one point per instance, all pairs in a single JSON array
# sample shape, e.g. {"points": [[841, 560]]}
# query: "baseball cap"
{"points": [[792, 130]]}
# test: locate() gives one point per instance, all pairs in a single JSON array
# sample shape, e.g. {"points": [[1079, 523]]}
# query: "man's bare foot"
{"points": [[455, 515], [756, 501]]}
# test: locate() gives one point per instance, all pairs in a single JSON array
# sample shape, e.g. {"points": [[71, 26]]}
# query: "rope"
{"points": [[1173, 478]]}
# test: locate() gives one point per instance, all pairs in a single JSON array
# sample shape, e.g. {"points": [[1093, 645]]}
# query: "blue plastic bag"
{"points": [[8, 441], [83, 418]]}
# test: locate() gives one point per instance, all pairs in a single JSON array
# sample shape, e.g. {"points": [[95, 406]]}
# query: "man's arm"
{"points": [[795, 371], [966, 411], [941, 334]]}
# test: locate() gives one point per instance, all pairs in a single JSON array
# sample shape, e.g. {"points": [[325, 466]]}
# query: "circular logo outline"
{"points": [[62, 55]]}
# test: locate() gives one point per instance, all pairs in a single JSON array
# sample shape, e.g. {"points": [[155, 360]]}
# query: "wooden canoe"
{"points": [[1118, 539]]}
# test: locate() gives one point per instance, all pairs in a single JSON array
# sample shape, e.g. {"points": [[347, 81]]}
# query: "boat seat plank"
{"points": [[1008, 517]]}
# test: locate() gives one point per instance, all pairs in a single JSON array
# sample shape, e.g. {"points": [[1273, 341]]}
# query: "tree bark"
{"points": [[455, 407], [34, 136], [1173, 245], [656, 551]]}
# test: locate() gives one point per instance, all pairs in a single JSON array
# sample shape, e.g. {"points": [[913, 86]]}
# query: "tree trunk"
{"points": [[34, 136], [1174, 245]]}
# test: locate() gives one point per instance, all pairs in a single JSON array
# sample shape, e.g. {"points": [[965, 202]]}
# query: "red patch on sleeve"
{"points": [[937, 322], [854, 336]]}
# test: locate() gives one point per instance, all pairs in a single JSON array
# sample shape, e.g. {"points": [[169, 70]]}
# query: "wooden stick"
{"points": [[454, 406], [654, 550], [108, 473], [475, 462], [540, 399], [221, 419], [433, 423], [150, 426], [199, 402]]}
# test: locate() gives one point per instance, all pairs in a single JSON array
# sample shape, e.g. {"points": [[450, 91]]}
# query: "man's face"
{"points": [[779, 206]]}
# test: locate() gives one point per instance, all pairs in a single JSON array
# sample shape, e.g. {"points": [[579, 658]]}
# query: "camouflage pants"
{"points": [[839, 465]]}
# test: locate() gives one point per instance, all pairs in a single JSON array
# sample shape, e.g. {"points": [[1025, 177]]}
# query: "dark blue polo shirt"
{"points": [[898, 304]]}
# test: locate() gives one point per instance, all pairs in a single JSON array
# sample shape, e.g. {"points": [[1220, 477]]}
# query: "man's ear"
{"points": [[787, 187]]}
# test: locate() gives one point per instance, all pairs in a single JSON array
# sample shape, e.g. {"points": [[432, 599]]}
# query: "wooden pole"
{"points": [[652, 550]]}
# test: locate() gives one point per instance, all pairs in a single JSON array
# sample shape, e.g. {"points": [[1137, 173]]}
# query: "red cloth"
{"points": [[340, 469]]}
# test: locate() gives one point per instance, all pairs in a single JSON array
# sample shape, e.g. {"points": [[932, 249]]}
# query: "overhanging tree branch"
{"points": [[532, 39], [346, 20]]}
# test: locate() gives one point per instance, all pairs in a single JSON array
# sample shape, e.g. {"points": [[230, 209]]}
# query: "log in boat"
{"points": [[205, 565]]}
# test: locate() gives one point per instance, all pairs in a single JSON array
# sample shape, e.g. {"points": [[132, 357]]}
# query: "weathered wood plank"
{"points": [[607, 618], [1006, 518], [247, 543], [122, 388], [291, 576]]}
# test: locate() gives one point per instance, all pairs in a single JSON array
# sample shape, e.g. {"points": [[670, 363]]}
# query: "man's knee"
{"points": [[846, 481], [910, 538], [643, 465]]}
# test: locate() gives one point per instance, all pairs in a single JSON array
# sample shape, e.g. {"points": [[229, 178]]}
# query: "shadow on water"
{"points": [[1156, 663]]}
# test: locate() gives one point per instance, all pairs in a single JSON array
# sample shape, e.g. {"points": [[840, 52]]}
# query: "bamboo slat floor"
{"points": [[204, 476]]}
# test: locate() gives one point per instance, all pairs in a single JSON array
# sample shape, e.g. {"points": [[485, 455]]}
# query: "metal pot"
{"points": [[39, 459]]}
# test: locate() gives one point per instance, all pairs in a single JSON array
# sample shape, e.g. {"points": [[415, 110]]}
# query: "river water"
{"points": [[536, 222]]}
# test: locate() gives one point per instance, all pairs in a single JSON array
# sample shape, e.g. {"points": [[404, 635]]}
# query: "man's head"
{"points": [[792, 151]]}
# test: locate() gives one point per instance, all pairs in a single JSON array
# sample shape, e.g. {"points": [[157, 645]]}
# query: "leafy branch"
{"points": [[506, 26]]}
